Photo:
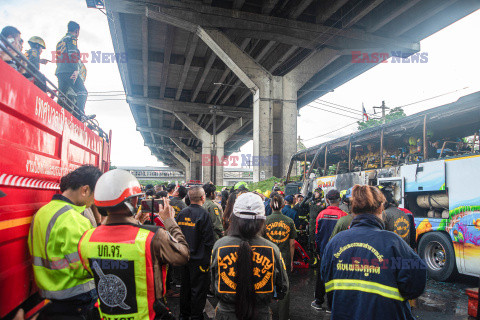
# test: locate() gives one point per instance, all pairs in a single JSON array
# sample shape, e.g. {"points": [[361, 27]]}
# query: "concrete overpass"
{"points": [[205, 76]]}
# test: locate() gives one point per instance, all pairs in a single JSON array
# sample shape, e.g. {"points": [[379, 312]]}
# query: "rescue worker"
{"points": [[69, 81], [315, 205], [248, 270], [326, 221], [280, 229], [14, 37], [269, 195], [176, 202], [53, 240], [302, 212], [395, 219], [197, 227], [214, 210], [371, 272], [344, 222], [128, 260], [289, 211], [33, 55]]}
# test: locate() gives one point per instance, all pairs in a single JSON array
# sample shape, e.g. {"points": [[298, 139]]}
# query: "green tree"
{"points": [[394, 114]]}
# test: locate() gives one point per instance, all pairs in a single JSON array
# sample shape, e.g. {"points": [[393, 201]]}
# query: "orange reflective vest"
{"points": [[120, 260]]}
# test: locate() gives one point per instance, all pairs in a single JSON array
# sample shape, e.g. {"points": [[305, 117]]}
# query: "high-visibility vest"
{"points": [[53, 243], [119, 258]]}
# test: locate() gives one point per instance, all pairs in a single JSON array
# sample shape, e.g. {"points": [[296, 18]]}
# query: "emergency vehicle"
{"points": [[39, 143], [431, 161]]}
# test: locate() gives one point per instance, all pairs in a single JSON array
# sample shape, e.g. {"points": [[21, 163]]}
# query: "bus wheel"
{"points": [[436, 249]]}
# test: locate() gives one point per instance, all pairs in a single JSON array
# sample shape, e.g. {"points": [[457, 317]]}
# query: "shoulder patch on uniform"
{"points": [[216, 211]]}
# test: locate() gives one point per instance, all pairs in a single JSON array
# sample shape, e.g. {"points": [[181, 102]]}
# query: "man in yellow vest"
{"points": [[53, 242], [128, 260]]}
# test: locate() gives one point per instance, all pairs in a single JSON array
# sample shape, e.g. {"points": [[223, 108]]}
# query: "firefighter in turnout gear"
{"points": [[316, 204], [33, 55], [53, 242], [128, 260]]}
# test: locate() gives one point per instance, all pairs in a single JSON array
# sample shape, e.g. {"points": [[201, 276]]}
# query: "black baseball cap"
{"points": [[333, 194], [171, 187]]}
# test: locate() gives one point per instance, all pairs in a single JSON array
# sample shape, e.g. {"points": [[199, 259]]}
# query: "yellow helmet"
{"points": [[267, 193], [38, 41], [258, 191], [412, 141]]}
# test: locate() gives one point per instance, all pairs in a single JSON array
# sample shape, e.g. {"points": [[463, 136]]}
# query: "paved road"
{"points": [[441, 300]]}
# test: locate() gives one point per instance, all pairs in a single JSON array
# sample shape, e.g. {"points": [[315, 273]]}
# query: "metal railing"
{"points": [[24, 63]]}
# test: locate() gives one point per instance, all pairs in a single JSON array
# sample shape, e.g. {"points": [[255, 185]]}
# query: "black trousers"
{"points": [[69, 310], [67, 85], [193, 294], [320, 290]]}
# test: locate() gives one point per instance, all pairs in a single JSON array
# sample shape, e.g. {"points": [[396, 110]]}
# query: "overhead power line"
{"points": [[340, 114], [348, 110], [440, 95], [322, 135]]}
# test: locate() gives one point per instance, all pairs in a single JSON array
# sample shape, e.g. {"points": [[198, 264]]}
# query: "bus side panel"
{"points": [[463, 182]]}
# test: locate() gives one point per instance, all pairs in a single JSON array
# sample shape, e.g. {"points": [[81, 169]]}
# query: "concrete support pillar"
{"points": [[210, 143], [194, 158], [274, 98], [185, 163]]}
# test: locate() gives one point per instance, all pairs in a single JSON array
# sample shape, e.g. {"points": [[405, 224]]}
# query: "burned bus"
{"points": [[431, 160]]}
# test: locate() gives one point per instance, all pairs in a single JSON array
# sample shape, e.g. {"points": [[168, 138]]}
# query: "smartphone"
{"points": [[147, 205], [158, 202]]}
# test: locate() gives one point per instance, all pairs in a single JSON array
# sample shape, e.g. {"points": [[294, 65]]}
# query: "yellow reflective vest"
{"points": [[53, 243], [120, 259]]}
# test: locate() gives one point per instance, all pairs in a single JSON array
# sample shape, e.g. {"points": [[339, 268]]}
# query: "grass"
{"points": [[261, 185], [461, 209]]}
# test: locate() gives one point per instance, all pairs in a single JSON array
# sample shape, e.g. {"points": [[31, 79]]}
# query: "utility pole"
{"points": [[214, 147], [384, 108]]}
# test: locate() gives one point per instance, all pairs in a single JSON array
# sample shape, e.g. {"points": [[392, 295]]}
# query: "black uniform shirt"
{"points": [[197, 228]]}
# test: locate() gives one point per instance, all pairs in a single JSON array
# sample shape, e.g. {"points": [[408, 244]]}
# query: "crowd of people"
{"points": [[106, 247], [71, 72]]}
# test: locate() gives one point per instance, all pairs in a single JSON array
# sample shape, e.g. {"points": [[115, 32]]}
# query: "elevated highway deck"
{"points": [[203, 77]]}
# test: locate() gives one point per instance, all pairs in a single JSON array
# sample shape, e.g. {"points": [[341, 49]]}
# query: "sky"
{"points": [[453, 67]]}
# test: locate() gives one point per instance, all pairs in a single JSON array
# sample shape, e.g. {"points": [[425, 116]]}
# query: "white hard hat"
{"points": [[249, 206], [114, 187]]}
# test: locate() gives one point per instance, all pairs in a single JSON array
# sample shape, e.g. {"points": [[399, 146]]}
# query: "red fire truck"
{"points": [[39, 143]]}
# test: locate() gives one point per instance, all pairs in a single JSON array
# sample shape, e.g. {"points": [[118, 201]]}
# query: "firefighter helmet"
{"points": [[115, 187], [37, 40]]}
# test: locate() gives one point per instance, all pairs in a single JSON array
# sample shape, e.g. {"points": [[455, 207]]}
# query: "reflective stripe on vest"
{"points": [[70, 292], [119, 257], [364, 286]]}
